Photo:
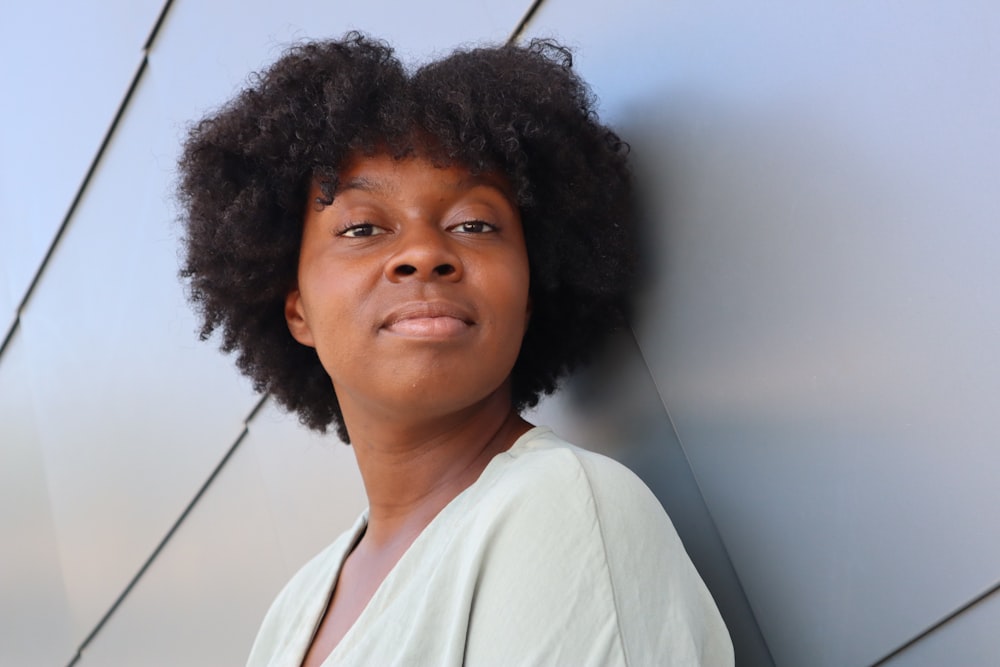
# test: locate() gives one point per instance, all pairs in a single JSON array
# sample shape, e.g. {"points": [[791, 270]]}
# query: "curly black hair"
{"points": [[246, 170]]}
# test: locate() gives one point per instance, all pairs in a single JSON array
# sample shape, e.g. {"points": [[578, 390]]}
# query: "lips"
{"points": [[431, 319]]}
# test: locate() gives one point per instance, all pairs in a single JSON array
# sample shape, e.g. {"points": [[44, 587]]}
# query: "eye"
{"points": [[474, 227], [357, 230]]}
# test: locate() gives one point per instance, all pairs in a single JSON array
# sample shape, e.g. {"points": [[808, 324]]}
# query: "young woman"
{"points": [[414, 259]]}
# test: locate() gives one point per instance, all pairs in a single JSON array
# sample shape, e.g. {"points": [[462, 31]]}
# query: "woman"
{"points": [[415, 259]]}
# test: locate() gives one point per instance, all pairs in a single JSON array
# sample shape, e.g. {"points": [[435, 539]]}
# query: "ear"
{"points": [[295, 316]]}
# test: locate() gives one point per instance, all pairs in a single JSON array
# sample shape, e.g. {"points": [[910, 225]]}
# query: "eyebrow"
{"points": [[378, 186], [483, 179], [364, 184]]}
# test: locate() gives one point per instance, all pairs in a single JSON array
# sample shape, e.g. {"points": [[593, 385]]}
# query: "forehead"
{"points": [[383, 174]]}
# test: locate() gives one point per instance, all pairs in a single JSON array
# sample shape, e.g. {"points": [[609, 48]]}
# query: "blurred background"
{"points": [[811, 385]]}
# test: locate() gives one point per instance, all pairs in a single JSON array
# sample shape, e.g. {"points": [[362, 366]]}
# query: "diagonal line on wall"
{"points": [[156, 26], [995, 588], [64, 225], [14, 326], [530, 14], [170, 533]]}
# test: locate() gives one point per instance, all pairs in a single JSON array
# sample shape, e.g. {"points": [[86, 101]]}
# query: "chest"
{"points": [[359, 578]]}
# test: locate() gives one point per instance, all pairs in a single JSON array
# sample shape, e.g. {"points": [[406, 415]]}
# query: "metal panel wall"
{"points": [[816, 342], [34, 611]]}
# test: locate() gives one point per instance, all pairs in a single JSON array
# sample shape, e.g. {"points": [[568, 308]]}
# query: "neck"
{"points": [[413, 468]]}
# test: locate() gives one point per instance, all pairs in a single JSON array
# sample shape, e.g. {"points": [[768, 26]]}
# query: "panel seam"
{"points": [[170, 532], [525, 20], [938, 625]]}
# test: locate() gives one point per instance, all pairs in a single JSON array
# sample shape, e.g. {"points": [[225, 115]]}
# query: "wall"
{"points": [[810, 388]]}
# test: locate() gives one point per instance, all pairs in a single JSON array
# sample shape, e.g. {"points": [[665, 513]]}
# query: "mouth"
{"points": [[432, 319]]}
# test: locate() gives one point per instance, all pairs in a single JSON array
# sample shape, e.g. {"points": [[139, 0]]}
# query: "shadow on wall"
{"points": [[817, 320]]}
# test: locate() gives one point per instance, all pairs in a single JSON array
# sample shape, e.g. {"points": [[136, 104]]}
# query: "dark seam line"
{"points": [[170, 533], [79, 193], [156, 26], [14, 326], [524, 21], [947, 619], [714, 526]]}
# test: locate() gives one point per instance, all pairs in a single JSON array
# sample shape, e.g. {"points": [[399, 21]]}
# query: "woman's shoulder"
{"points": [[579, 541], [574, 499], [544, 464]]}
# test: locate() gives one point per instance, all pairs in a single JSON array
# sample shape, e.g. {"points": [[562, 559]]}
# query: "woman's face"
{"points": [[412, 287]]}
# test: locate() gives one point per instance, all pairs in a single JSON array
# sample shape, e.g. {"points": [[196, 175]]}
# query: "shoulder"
{"points": [[586, 500], [582, 548], [543, 467]]}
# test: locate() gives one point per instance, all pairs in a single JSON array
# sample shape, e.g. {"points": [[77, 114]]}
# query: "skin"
{"points": [[413, 289]]}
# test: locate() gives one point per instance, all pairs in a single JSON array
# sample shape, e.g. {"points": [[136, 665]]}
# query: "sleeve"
{"points": [[667, 616], [585, 568]]}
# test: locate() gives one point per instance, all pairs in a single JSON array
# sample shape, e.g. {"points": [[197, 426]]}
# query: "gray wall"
{"points": [[811, 388]]}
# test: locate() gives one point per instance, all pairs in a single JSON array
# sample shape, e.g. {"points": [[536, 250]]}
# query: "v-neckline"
{"points": [[358, 530]]}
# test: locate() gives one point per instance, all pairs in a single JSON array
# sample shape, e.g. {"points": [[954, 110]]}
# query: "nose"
{"points": [[424, 253]]}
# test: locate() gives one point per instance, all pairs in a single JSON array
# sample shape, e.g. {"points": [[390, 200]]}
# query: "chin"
{"points": [[432, 400]]}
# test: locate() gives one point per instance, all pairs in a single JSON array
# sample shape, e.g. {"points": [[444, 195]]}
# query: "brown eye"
{"points": [[474, 227], [360, 230]]}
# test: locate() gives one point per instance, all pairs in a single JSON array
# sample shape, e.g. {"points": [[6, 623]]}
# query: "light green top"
{"points": [[554, 556]]}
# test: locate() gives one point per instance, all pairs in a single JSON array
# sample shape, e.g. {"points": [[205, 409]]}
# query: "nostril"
{"points": [[440, 271]]}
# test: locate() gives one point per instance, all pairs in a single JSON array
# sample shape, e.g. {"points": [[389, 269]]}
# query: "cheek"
{"points": [[517, 302], [524, 289], [328, 320]]}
